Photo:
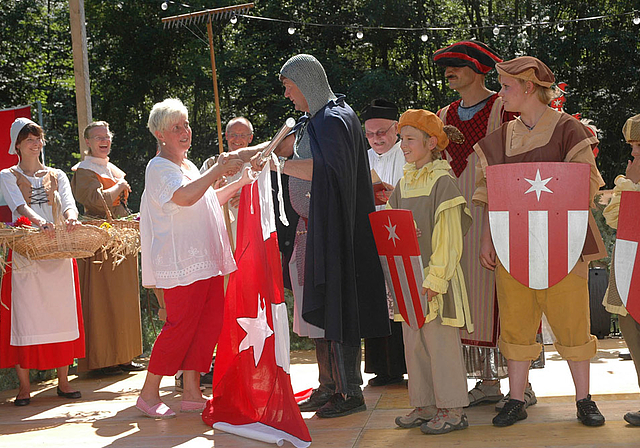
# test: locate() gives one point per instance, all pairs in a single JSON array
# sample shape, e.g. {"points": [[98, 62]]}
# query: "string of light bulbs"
{"points": [[360, 29]]}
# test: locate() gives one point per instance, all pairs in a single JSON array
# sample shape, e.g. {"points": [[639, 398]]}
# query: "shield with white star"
{"points": [[538, 215], [397, 244], [627, 255]]}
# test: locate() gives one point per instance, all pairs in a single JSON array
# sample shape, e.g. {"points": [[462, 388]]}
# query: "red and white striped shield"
{"points": [[397, 243], [538, 214], [626, 262]]}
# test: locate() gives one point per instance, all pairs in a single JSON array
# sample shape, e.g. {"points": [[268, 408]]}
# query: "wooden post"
{"points": [[216, 97], [215, 86], [80, 68]]}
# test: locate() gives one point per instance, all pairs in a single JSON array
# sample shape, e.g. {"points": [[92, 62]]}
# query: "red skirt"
{"points": [[40, 356]]}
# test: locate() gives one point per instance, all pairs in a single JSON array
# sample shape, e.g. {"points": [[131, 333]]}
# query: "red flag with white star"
{"points": [[252, 394]]}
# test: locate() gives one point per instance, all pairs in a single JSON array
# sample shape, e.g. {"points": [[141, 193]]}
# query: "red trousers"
{"points": [[192, 329]]}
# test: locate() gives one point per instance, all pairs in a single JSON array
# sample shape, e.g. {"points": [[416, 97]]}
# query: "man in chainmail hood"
{"points": [[343, 298]]}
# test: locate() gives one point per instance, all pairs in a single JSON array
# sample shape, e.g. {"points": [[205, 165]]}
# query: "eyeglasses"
{"points": [[379, 133], [100, 138], [239, 135]]}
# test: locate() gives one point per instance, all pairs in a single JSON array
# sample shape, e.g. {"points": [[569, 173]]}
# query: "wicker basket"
{"points": [[113, 222], [124, 236], [83, 242], [117, 223]]}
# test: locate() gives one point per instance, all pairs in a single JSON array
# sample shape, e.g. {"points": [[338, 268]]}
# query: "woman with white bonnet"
{"points": [[186, 253], [40, 314]]}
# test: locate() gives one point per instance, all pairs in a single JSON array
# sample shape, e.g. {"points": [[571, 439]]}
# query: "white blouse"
{"points": [[180, 245], [43, 295], [388, 166]]}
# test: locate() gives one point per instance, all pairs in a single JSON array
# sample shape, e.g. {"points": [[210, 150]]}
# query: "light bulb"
{"points": [[561, 27], [359, 34], [164, 6], [636, 19], [291, 29], [233, 19], [496, 30], [424, 37]]}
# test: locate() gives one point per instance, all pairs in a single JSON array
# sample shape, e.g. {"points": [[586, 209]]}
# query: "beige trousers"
{"points": [[631, 332], [437, 375]]}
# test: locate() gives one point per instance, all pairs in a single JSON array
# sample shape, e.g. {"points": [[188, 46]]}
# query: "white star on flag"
{"points": [[538, 185], [393, 236], [257, 330]]}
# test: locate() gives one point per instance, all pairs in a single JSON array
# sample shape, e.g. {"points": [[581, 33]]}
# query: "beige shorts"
{"points": [[566, 305]]}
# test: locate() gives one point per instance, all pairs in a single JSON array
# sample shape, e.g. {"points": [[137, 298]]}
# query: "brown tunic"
{"points": [[558, 137], [110, 297]]}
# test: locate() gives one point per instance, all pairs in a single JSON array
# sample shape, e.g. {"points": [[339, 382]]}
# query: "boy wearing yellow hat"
{"points": [[630, 181], [437, 376]]}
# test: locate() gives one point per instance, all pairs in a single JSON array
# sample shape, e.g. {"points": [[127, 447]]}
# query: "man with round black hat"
{"points": [[384, 356], [477, 113]]}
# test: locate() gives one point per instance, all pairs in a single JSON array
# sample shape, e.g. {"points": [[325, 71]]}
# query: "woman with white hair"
{"points": [[186, 253], [40, 311]]}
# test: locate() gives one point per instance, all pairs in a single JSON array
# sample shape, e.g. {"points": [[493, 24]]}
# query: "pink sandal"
{"points": [[159, 410], [192, 406]]}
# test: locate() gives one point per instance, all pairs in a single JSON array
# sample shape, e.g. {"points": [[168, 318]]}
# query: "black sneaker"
{"points": [[588, 412], [317, 399], [633, 418], [512, 412], [338, 406], [385, 380]]}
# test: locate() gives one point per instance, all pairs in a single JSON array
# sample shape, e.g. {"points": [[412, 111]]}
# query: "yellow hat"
{"points": [[527, 68], [425, 121], [631, 129]]}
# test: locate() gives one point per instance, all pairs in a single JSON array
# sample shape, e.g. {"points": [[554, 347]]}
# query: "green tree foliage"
{"points": [[135, 62]]}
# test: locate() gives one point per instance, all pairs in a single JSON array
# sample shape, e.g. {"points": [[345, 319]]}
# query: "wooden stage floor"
{"points": [[106, 416]]}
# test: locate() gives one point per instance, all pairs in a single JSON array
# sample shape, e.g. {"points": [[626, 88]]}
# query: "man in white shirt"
{"points": [[384, 356]]}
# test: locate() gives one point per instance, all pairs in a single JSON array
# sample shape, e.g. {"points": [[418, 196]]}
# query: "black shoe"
{"points": [[109, 371], [207, 379], [384, 380], [512, 412], [633, 418], [74, 394], [132, 367], [22, 401], [317, 399], [338, 406], [588, 412]]}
